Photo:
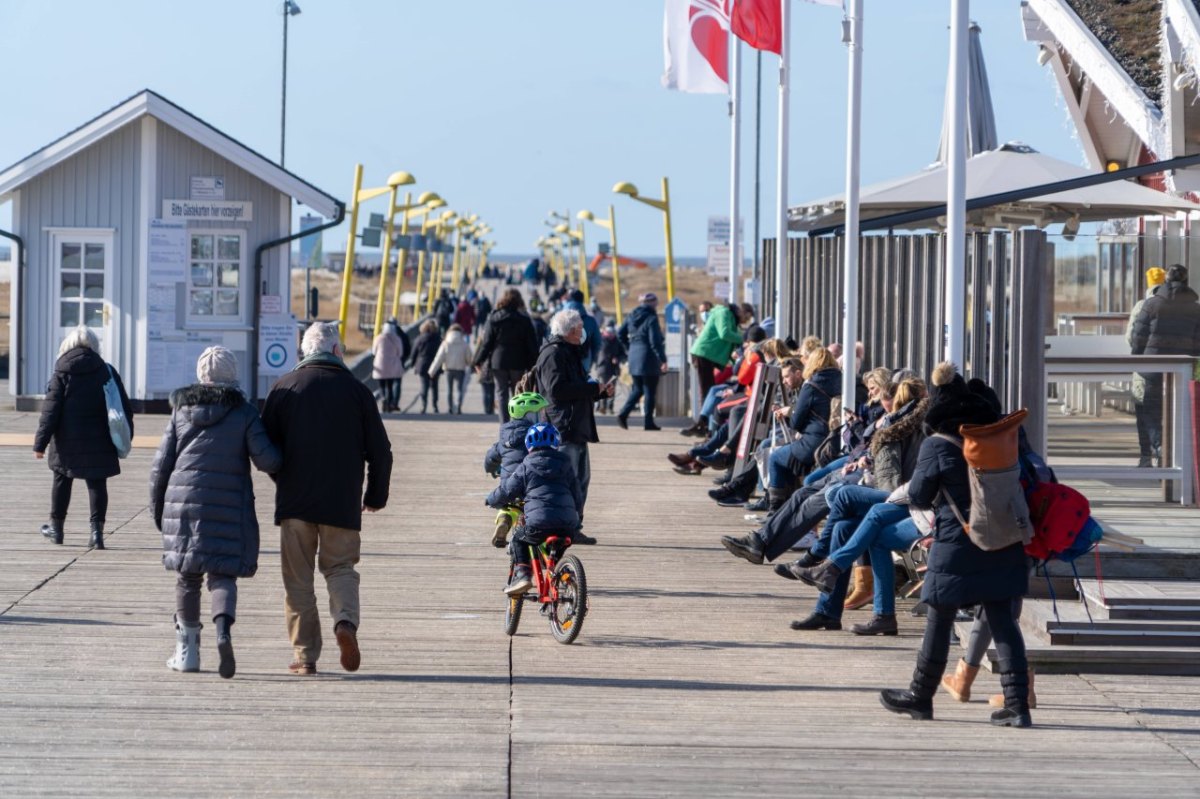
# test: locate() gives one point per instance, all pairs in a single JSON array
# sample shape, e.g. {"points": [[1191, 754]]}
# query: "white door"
{"points": [[83, 264]]}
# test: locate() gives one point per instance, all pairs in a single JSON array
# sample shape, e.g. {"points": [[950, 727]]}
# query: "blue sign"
{"points": [[419, 241], [675, 313], [403, 241]]}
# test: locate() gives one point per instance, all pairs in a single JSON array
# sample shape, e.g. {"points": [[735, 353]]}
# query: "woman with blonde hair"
{"points": [[74, 429]]}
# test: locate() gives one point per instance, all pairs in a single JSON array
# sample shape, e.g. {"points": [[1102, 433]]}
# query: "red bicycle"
{"points": [[560, 588]]}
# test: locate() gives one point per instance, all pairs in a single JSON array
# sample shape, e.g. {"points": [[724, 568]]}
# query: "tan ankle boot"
{"points": [[864, 588], [997, 700], [958, 684]]}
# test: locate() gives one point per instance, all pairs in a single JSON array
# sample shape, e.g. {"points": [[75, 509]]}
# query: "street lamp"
{"points": [[290, 9], [358, 196], [576, 235], [406, 210], [663, 205], [442, 230], [611, 224], [425, 225]]}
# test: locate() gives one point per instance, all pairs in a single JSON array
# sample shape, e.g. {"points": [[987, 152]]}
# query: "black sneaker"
{"points": [[582, 538], [623, 422], [759, 505], [1007, 717], [733, 500], [878, 625], [520, 583], [817, 621], [718, 460], [743, 547]]}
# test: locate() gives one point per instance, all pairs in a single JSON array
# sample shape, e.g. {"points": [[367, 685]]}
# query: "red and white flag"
{"points": [[758, 23], [696, 46]]}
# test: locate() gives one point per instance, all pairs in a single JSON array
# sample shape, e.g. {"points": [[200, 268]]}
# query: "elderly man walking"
{"points": [[562, 380], [328, 428]]}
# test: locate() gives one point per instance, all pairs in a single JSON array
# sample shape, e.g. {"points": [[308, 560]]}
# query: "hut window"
{"points": [[214, 276]]}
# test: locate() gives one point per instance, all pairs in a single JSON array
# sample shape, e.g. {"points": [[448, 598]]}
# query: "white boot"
{"points": [[187, 648]]}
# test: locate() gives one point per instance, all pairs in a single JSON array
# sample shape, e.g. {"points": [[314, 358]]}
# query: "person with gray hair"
{"points": [[202, 501], [73, 431], [329, 428], [562, 380]]}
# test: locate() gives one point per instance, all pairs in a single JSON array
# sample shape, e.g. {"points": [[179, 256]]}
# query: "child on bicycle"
{"points": [[553, 500], [507, 453]]}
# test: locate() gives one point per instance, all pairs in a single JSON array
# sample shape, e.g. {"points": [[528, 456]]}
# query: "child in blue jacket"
{"points": [[553, 500], [506, 454]]}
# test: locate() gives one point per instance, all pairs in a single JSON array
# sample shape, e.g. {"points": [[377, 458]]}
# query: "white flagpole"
{"points": [[782, 319], [853, 149], [735, 165], [956, 187]]}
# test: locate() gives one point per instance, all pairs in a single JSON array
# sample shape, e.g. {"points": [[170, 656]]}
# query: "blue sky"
{"points": [[509, 109]]}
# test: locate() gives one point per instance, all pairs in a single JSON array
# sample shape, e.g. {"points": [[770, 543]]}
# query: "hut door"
{"points": [[82, 283]]}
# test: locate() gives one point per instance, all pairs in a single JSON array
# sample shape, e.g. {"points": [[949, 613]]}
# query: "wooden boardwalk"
{"points": [[686, 680]]}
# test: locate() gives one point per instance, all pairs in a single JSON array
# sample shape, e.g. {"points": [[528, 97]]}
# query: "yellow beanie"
{"points": [[1155, 276]]}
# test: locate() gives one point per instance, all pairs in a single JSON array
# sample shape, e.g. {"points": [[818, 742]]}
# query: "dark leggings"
{"points": [[1010, 647], [428, 384], [705, 376], [60, 498]]}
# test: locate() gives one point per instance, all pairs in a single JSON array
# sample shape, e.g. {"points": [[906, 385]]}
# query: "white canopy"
{"points": [[1010, 167]]}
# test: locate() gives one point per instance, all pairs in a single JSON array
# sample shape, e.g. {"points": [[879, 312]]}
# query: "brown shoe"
{"points": [[303, 669], [680, 460], [347, 641], [864, 589], [958, 684], [692, 468]]}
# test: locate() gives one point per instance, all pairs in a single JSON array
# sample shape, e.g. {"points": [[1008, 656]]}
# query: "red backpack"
{"points": [[1059, 513]]}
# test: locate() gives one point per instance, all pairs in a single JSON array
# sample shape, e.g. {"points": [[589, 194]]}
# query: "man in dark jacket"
{"points": [[643, 339], [328, 427], [509, 346], [1168, 324], [564, 384], [591, 330]]}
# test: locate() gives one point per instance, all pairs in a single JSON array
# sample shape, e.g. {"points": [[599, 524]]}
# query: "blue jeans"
{"points": [[852, 502], [709, 409], [816, 475], [885, 529], [714, 443], [832, 604]]}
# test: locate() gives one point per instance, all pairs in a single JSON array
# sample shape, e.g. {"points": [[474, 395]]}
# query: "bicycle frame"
{"points": [[543, 560]]}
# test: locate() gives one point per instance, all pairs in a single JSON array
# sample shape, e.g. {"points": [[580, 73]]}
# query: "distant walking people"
{"points": [[74, 429], [509, 345], [608, 367], [643, 339], [425, 350], [326, 423], [454, 356], [202, 501], [1167, 324], [390, 349]]}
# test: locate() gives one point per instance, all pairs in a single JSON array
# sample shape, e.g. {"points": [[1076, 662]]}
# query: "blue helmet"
{"points": [[542, 435]]}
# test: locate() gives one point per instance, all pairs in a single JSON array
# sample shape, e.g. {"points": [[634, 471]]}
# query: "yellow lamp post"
{"points": [[663, 205], [439, 260], [611, 225], [389, 229], [576, 236], [426, 224], [480, 253], [425, 202], [357, 197]]}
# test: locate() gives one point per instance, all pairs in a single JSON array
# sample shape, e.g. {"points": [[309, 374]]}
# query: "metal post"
{"points": [[401, 260], [956, 188], [583, 275], [387, 254], [756, 274], [735, 164], [283, 92], [667, 232], [421, 266], [348, 269], [853, 136], [612, 231], [781, 215]]}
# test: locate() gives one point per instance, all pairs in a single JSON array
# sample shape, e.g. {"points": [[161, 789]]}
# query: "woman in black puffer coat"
{"points": [[424, 352], [960, 573], [74, 430], [202, 500]]}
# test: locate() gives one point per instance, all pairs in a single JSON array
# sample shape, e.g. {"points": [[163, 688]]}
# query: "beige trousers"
{"points": [[333, 550]]}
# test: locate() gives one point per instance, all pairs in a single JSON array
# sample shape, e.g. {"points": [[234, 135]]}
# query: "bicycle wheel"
{"points": [[512, 614], [566, 614]]}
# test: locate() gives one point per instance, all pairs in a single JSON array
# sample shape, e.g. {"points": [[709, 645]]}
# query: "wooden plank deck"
{"points": [[686, 680]]}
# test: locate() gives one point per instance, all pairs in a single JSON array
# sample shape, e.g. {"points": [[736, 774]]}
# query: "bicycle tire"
{"points": [[568, 612], [512, 614]]}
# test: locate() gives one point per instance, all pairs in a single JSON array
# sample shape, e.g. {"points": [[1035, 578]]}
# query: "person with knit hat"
{"points": [[959, 573], [202, 501], [642, 337]]}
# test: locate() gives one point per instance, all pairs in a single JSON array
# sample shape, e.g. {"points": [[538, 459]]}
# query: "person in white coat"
{"points": [[454, 355], [388, 368]]}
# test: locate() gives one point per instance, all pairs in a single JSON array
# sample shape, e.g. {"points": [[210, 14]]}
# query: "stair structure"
{"points": [[1135, 627]]}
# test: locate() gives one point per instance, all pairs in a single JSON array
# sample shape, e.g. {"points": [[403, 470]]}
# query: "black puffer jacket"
{"points": [[74, 423], [643, 340], [509, 341], [810, 412], [425, 351], [894, 448], [564, 384], [1169, 323], [201, 494], [506, 454], [960, 573], [546, 481]]}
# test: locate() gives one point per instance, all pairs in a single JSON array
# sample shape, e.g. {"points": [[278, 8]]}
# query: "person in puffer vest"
{"points": [[202, 500], [546, 482], [503, 457]]}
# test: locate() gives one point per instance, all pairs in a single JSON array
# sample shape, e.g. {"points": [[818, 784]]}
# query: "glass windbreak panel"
{"points": [[69, 314], [201, 302], [93, 257], [70, 285], [227, 276], [70, 256], [202, 247], [229, 248], [202, 274], [227, 302], [93, 314], [93, 287]]}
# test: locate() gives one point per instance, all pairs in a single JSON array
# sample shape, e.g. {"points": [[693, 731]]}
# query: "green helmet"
{"points": [[529, 402]]}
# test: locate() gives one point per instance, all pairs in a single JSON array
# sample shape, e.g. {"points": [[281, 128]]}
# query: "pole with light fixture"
{"points": [[425, 203], [611, 224], [290, 9], [663, 205]]}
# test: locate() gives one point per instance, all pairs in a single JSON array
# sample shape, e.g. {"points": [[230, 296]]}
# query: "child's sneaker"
{"points": [[520, 582], [500, 535]]}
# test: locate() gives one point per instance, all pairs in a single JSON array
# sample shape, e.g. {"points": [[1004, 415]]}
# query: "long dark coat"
{"points": [[74, 422]]}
